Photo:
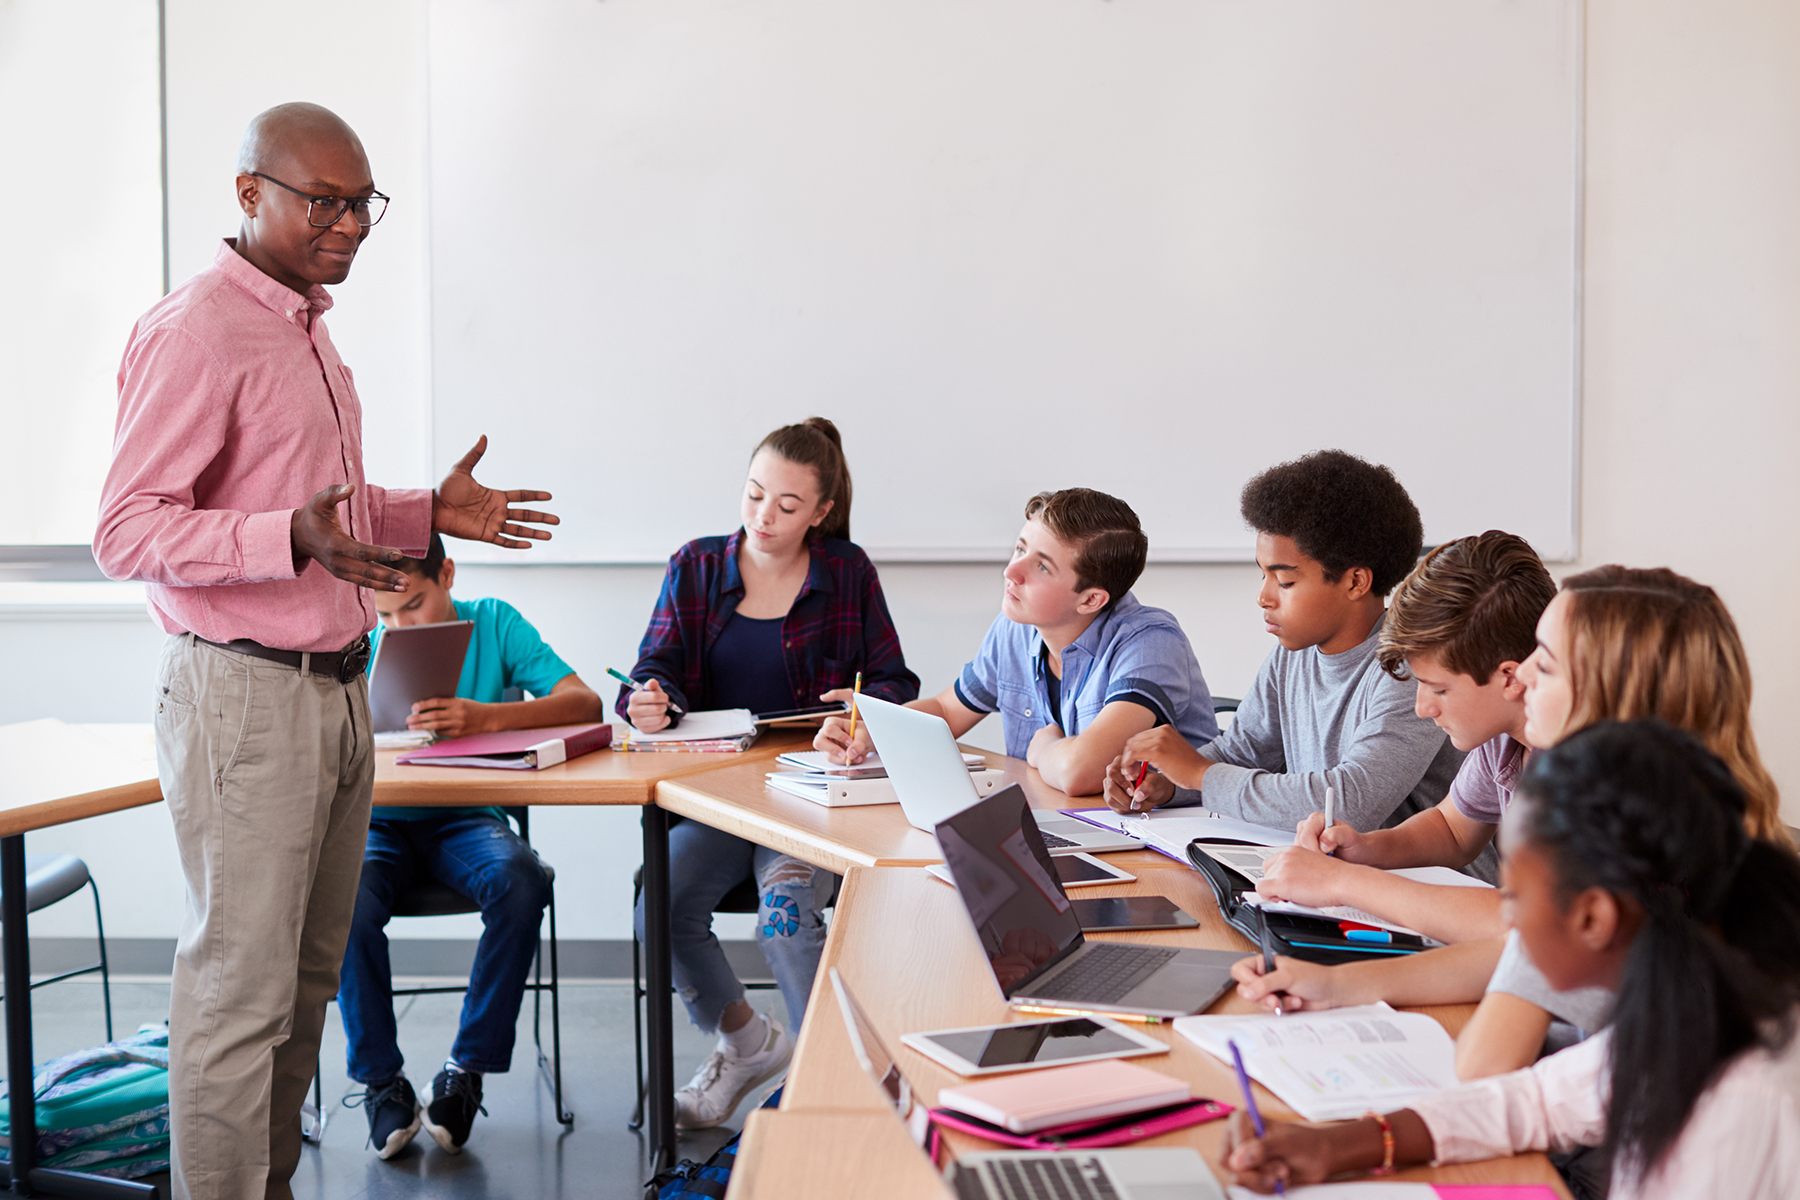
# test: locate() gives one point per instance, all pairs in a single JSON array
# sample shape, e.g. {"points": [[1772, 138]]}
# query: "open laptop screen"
{"points": [[1006, 880], [873, 1054]]}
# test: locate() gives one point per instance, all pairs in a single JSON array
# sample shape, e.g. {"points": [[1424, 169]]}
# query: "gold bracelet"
{"points": [[1387, 1144]]}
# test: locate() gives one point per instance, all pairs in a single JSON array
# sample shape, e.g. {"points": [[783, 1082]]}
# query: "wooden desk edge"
{"points": [[32, 817]]}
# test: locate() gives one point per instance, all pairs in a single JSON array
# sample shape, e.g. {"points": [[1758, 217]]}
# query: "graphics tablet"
{"points": [[414, 663]]}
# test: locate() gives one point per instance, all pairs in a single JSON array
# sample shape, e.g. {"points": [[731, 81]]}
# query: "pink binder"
{"points": [[512, 749]]}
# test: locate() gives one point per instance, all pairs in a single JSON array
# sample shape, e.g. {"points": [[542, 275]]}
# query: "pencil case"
{"points": [[1297, 936], [1081, 1135]]}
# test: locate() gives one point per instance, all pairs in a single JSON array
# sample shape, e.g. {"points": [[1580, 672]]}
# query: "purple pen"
{"points": [[1256, 1121]]}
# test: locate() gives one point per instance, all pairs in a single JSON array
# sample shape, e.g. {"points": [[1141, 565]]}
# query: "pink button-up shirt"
{"points": [[235, 410]]}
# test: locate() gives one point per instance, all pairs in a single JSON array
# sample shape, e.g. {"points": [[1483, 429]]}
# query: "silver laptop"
{"points": [[1033, 940], [414, 663], [929, 776], [1176, 1173]]}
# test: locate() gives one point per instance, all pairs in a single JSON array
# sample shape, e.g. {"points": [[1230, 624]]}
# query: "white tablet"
{"points": [[1074, 870], [990, 1049]]}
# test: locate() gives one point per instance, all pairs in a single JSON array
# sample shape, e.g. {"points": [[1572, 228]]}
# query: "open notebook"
{"points": [[1337, 1064]]}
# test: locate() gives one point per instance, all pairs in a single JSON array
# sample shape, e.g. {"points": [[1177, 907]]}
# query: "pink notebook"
{"points": [[1035, 1100], [512, 749]]}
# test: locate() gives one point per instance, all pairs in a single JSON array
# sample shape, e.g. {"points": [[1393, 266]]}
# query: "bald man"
{"points": [[236, 494]]}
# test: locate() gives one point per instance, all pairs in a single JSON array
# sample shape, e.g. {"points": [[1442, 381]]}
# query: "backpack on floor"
{"points": [[690, 1180]]}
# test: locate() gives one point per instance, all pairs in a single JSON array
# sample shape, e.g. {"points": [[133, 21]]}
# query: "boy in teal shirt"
{"points": [[472, 850]]}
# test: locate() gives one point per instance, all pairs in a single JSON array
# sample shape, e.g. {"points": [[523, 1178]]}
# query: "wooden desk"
{"points": [[902, 942], [53, 773], [738, 800], [56, 773], [603, 777], [831, 1156]]}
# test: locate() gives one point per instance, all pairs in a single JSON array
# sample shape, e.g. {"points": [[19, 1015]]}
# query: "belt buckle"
{"points": [[356, 660]]}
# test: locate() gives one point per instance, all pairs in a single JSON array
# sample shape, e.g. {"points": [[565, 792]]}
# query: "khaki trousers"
{"points": [[267, 773]]}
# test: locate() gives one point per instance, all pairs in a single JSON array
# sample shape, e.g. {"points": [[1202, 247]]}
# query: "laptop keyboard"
{"points": [[1056, 841], [1106, 972], [1064, 1178]]}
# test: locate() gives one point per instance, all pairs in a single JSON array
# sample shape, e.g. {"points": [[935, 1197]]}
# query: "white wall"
{"points": [[1692, 405]]}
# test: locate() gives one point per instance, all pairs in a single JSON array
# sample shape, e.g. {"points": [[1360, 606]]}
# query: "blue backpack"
{"points": [[690, 1180]]}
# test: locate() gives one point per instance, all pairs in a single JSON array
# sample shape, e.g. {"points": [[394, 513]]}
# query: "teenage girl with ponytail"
{"points": [[1628, 867], [778, 615]]}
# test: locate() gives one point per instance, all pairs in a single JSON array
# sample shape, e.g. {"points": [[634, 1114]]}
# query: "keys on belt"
{"points": [[341, 665]]}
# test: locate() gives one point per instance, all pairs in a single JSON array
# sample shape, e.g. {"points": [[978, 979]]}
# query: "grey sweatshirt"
{"points": [[1314, 720]]}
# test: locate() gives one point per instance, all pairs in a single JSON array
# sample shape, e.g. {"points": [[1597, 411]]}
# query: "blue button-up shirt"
{"points": [[1131, 652]]}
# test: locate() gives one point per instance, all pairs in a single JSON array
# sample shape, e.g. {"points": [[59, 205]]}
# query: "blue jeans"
{"points": [[705, 864], [484, 860]]}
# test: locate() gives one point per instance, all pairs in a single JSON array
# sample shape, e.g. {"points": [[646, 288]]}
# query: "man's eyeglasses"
{"points": [[322, 212]]}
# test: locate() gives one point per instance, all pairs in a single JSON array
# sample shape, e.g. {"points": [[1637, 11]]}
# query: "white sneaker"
{"points": [[724, 1079]]}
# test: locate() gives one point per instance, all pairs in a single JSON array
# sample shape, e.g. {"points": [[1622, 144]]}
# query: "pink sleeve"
{"points": [[173, 413], [1556, 1105], [402, 518]]}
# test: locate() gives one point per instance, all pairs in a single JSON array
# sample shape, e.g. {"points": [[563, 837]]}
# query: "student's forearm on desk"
{"points": [[570, 702], [1072, 766], [1453, 975], [1449, 914], [1505, 1034]]}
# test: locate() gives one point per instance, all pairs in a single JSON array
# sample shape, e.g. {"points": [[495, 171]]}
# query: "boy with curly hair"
{"points": [[1334, 535]]}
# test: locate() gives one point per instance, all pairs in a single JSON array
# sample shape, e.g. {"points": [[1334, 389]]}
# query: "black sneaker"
{"points": [[455, 1099], [393, 1112]]}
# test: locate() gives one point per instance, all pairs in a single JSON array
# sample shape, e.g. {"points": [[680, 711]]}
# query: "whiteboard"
{"points": [[1147, 246]]}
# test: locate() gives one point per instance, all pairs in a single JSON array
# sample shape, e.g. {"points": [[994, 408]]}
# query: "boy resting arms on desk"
{"points": [[1074, 664], [1334, 534], [472, 850]]}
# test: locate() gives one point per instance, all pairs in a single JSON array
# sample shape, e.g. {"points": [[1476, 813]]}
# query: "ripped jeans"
{"points": [[704, 865]]}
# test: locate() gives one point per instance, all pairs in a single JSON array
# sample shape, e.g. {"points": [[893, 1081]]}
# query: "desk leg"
{"points": [[15, 968], [659, 1099], [23, 1174]]}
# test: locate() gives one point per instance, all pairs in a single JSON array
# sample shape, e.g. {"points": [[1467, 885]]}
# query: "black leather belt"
{"points": [[341, 665]]}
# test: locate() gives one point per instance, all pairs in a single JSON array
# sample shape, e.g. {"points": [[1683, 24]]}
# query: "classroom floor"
{"points": [[516, 1152]]}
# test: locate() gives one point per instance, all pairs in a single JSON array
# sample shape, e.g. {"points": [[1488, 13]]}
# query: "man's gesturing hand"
{"points": [[463, 508], [317, 535]]}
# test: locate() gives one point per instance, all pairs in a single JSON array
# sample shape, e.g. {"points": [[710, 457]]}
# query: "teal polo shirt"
{"points": [[505, 651]]}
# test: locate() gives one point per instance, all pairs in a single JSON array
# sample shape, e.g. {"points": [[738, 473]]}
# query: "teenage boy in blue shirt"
{"points": [[1334, 535], [470, 849], [1074, 664]]}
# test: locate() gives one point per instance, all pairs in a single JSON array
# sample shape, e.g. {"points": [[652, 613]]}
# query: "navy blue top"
{"points": [[747, 666]]}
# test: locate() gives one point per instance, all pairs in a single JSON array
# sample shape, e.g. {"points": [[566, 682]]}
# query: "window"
{"points": [[82, 204]]}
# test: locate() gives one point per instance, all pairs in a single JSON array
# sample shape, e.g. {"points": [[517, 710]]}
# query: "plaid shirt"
{"points": [[838, 625]]}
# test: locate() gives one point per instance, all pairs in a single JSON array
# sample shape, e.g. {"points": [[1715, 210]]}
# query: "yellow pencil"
{"points": [[855, 691]]}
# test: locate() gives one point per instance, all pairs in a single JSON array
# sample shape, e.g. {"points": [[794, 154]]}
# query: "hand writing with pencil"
{"points": [[839, 742], [1134, 790]]}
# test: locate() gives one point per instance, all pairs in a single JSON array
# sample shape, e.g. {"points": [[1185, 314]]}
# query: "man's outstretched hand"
{"points": [[463, 508], [318, 535]]}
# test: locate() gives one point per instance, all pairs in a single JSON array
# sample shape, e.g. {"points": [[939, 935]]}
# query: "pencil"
{"points": [[635, 686], [855, 691]]}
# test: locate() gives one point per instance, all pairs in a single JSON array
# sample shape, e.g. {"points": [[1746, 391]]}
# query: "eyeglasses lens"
{"points": [[366, 209]]}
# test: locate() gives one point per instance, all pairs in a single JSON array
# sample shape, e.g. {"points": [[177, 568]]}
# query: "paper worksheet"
{"points": [[1336, 1064], [1170, 830], [715, 724]]}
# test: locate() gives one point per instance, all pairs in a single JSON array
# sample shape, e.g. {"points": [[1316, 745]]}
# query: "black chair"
{"points": [[743, 898], [430, 898], [53, 877], [1225, 704]]}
